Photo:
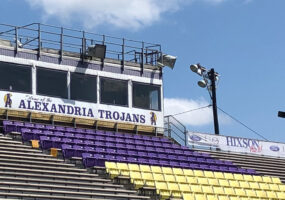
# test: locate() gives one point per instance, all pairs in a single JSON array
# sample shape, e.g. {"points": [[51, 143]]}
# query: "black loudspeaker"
{"points": [[281, 114], [97, 51]]}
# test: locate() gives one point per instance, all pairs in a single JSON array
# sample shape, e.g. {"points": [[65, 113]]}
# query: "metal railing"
{"points": [[175, 130], [66, 41]]}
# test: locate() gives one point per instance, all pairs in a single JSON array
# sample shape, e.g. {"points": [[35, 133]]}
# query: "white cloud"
{"points": [[195, 118], [127, 14]]}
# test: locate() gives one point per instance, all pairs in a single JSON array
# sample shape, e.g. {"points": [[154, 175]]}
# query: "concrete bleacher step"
{"points": [[27, 173], [94, 195]]}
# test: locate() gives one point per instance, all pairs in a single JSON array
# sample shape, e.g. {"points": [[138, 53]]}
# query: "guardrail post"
{"points": [[39, 41], [123, 55], [83, 46], [142, 59], [16, 41], [61, 45]]}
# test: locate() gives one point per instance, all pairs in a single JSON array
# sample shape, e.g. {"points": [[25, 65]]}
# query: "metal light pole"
{"points": [[209, 75]]}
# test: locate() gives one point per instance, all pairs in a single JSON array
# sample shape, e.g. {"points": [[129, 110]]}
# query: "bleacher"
{"points": [[145, 163]]}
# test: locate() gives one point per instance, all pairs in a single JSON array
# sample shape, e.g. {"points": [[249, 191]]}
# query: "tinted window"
{"points": [[113, 92], [15, 77], [52, 83], [146, 96], [83, 87]]}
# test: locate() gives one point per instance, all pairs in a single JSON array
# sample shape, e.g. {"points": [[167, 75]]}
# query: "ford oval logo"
{"points": [[195, 138], [274, 148]]}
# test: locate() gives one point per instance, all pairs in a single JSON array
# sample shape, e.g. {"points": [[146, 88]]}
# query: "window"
{"points": [[114, 92], [52, 83], [146, 96], [14, 77], [83, 87]]}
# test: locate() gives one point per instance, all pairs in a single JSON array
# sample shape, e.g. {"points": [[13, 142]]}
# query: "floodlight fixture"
{"points": [[203, 83]]}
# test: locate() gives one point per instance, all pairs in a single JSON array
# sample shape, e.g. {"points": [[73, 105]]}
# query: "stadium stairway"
{"points": [[263, 165], [28, 173]]}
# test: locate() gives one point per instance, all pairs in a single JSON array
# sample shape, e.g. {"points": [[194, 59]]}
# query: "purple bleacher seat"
{"points": [[130, 146], [164, 140], [238, 170], [99, 160], [157, 144], [137, 137], [182, 158], [70, 129], [120, 140], [60, 128], [37, 133], [47, 133], [122, 152], [18, 125], [111, 158], [192, 159], [152, 155], [229, 163], [178, 152], [148, 143], [69, 135], [78, 150], [184, 165], [201, 160], [56, 142], [79, 136], [164, 163], [142, 154], [66, 140], [110, 144], [90, 131], [153, 161], [120, 146], [194, 166], [129, 136], [50, 127], [172, 157], [67, 151], [211, 161], [78, 141], [29, 125], [110, 139], [205, 167], [143, 161], [99, 143], [119, 135], [155, 139], [88, 160], [214, 168], [100, 138], [130, 141], [40, 126], [166, 145], [150, 149], [139, 142], [132, 153], [225, 169], [80, 130], [176, 146], [140, 148], [100, 132], [45, 142], [100, 150], [90, 137], [89, 149], [121, 158], [169, 151], [111, 151], [251, 171], [89, 142], [174, 163], [58, 134], [188, 152], [8, 126], [145, 137], [110, 134], [205, 155], [131, 159], [27, 134], [163, 156]]}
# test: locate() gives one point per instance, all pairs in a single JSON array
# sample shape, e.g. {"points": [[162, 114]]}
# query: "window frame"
{"points": [[55, 70], [159, 95], [100, 91], [89, 75], [31, 77]]}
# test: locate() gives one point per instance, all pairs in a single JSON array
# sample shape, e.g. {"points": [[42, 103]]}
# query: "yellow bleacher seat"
{"points": [[184, 187], [134, 167], [188, 172], [147, 176], [218, 190], [124, 169], [240, 191], [264, 186], [212, 197], [110, 165], [219, 175], [178, 171], [223, 197], [248, 177], [53, 152], [35, 144], [280, 195], [257, 178], [276, 180], [234, 183], [250, 193], [229, 176], [229, 191], [112, 169], [209, 174], [267, 179], [213, 181], [224, 182], [136, 179], [191, 180], [169, 178], [282, 187], [244, 184], [175, 190], [188, 196], [245, 198], [158, 177], [207, 189], [234, 197], [195, 188], [162, 189], [200, 197], [238, 177], [274, 187], [254, 185], [198, 173], [271, 194], [167, 170], [203, 181], [113, 173], [145, 168], [261, 194], [156, 169], [181, 179]]}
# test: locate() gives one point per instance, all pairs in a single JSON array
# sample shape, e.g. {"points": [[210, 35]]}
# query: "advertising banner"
{"points": [[237, 144], [50, 105]]}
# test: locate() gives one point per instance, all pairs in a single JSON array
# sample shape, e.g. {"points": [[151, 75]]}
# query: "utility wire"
{"points": [[235, 119], [192, 110]]}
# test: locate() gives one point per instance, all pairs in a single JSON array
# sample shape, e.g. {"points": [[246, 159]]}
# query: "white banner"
{"points": [[19, 101], [237, 144]]}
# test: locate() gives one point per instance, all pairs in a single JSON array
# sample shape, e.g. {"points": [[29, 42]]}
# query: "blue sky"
{"points": [[244, 40]]}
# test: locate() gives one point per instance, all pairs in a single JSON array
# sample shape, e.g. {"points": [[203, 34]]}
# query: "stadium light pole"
{"points": [[209, 75]]}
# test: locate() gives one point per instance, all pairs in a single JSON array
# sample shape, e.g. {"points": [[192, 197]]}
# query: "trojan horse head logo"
{"points": [[153, 118], [8, 100]]}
